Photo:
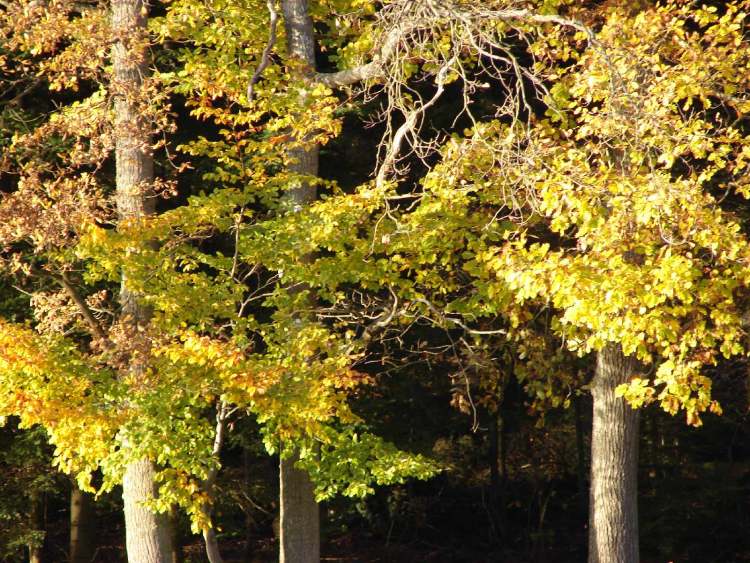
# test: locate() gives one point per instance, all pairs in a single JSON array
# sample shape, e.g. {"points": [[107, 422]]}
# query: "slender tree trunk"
{"points": [[497, 472], [248, 550], [613, 503], [36, 519], [212, 546], [580, 451], [81, 526], [148, 535], [209, 534], [299, 513], [177, 556], [496, 422]]}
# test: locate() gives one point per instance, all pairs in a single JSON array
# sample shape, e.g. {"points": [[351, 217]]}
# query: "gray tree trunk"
{"points": [[148, 535], [300, 520], [299, 514], [81, 526], [613, 508], [148, 538]]}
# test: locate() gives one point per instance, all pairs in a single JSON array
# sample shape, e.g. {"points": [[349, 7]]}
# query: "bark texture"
{"points": [[148, 535], [148, 538], [134, 161], [299, 513], [613, 508], [301, 46], [81, 526], [300, 520]]}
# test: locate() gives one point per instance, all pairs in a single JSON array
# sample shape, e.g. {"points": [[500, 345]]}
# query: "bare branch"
{"points": [[373, 69], [265, 56], [83, 307], [409, 126], [443, 318], [405, 26]]}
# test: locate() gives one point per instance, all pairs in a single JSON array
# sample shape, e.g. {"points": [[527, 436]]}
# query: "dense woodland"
{"points": [[347, 280]]}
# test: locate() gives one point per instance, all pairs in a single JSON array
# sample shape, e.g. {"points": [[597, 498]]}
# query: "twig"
{"points": [[457, 322]]}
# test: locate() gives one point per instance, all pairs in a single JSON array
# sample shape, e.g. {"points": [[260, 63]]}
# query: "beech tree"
{"points": [[641, 264], [57, 187], [653, 276], [580, 178], [148, 537], [652, 142], [176, 348]]}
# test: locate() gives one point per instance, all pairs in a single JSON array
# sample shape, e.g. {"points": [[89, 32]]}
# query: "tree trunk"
{"points": [[299, 513], [212, 546], [498, 472], [580, 451], [177, 556], [36, 520], [246, 472], [148, 538], [148, 535], [613, 508], [209, 534], [496, 422], [300, 520], [81, 526]]}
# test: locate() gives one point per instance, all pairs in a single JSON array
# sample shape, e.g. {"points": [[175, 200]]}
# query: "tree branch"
{"points": [[443, 318], [97, 331], [376, 67], [83, 307], [373, 69], [265, 56], [349, 76], [209, 535], [409, 125]]}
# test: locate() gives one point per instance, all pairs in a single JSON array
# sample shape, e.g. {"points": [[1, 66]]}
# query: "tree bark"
{"points": [[613, 503], [148, 538], [81, 526], [212, 546], [300, 519], [299, 513], [246, 472], [148, 535]]}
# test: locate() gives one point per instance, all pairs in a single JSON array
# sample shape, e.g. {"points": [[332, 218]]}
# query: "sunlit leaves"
{"points": [[653, 262], [350, 463], [45, 380]]}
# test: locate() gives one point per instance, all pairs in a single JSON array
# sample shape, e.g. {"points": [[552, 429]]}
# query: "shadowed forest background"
{"points": [[693, 488]]}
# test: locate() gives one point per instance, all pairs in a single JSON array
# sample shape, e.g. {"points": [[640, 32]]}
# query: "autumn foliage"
{"points": [[544, 180]]}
